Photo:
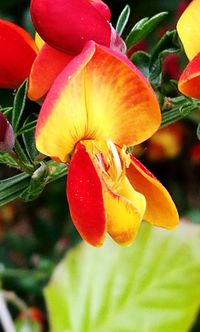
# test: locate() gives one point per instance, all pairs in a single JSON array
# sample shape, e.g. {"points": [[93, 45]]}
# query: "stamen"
{"points": [[115, 159], [125, 156], [112, 161]]}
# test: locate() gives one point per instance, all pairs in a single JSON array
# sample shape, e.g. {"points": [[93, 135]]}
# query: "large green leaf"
{"points": [[151, 286]]}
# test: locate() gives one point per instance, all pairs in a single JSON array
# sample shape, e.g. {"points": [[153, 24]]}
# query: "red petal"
{"points": [[17, 54], [189, 82], [46, 67], [102, 8], [67, 25], [85, 197]]}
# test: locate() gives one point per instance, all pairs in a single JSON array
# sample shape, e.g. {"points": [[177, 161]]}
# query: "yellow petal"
{"points": [[125, 210], [160, 210], [188, 28], [99, 95], [39, 41]]}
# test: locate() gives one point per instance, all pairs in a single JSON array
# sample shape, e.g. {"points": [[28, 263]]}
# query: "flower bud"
{"points": [[6, 134], [68, 25]]}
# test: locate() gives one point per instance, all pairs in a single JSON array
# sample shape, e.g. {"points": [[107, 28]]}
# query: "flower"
{"points": [[194, 153], [65, 27], [189, 33], [18, 51], [34, 314], [166, 143], [6, 134], [98, 106]]}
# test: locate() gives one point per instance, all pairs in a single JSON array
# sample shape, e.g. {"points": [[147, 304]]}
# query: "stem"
{"points": [[5, 316], [21, 165], [19, 303], [177, 108], [19, 273]]}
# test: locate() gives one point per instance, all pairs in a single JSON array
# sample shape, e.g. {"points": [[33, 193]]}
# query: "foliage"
{"points": [[145, 287]]}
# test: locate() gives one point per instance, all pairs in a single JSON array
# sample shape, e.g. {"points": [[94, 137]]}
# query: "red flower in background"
{"points": [[18, 51], [194, 153]]}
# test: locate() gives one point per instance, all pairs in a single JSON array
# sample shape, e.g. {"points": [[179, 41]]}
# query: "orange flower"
{"points": [[166, 142], [100, 98]]}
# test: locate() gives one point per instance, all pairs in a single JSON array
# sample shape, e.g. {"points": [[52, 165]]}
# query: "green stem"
{"points": [[21, 165], [19, 273], [175, 109]]}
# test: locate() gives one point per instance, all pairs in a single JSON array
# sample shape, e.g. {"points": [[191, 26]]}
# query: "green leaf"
{"points": [[123, 19], [141, 61], [144, 27], [7, 111], [22, 155], [19, 104], [166, 45], [4, 110], [29, 137], [29, 126], [12, 187], [198, 131], [7, 159], [37, 183], [152, 285]]}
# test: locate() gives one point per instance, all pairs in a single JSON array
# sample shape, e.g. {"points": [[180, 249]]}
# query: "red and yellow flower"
{"points": [[189, 32], [66, 26], [99, 105]]}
